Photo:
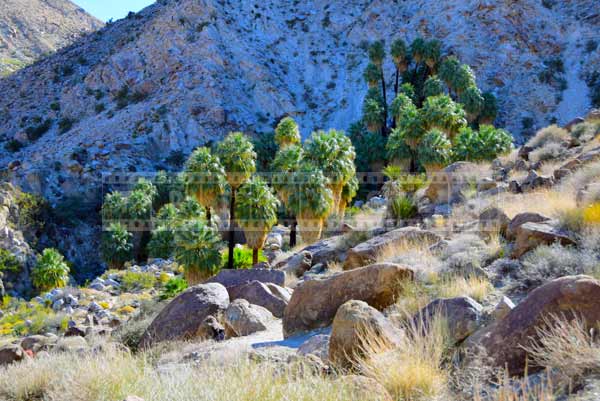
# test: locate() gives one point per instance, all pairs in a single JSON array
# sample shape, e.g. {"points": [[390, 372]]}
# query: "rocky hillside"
{"points": [[33, 28], [140, 91]]}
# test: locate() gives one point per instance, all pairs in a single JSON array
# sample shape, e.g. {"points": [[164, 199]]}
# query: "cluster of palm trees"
{"points": [[437, 104]]}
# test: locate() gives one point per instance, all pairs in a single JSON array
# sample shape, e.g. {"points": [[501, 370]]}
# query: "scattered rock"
{"points": [[503, 308], [232, 278], [297, 264], [463, 315], [270, 296], [182, 318], [316, 345], [494, 219], [366, 252], [566, 297], [535, 181], [532, 235], [11, 353], [72, 344], [314, 303], [244, 318], [520, 219], [354, 321]]}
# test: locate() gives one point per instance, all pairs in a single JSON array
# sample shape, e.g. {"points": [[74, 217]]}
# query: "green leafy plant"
{"points": [[204, 178], [9, 262], [136, 281], [173, 287], [237, 156], [403, 208], [257, 213], [287, 132], [435, 151], [372, 75], [485, 144], [197, 250], [162, 243], [50, 271], [443, 113], [349, 191], [370, 147], [117, 246], [243, 257]]}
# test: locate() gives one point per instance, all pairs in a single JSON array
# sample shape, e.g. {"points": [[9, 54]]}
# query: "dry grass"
{"points": [[509, 389], [551, 134], [415, 370], [412, 254], [477, 288], [115, 375], [549, 202]]}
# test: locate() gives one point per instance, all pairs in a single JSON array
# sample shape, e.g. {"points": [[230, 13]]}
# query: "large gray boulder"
{"points": [[353, 322], [270, 296], [233, 278], [462, 314], [183, 317], [532, 235], [243, 318], [314, 303]]}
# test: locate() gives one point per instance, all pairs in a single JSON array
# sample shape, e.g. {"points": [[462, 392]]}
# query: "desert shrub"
{"points": [[547, 152], [9, 262], [242, 257], [136, 281], [35, 132], [50, 271], [24, 319], [485, 144], [117, 246], [553, 134], [13, 145], [586, 131], [131, 332], [65, 124], [548, 262], [32, 211], [403, 208], [173, 287]]}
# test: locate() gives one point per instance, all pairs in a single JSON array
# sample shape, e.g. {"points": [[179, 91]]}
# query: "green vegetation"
{"points": [[485, 144], [117, 246], [287, 133], [204, 178], [13, 145], [9, 262], [35, 132], [173, 287], [242, 258], [51, 270], [136, 281], [197, 250], [24, 318], [256, 210]]}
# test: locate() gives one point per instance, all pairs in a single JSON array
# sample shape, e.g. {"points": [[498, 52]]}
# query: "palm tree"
{"points": [[116, 246], [204, 178], [348, 193], [443, 113], [472, 101], [432, 53], [312, 201], [257, 213], [410, 121], [463, 79], [287, 133], [50, 271], [114, 207], [399, 53], [197, 250], [490, 109], [376, 56], [334, 154], [373, 114], [418, 50], [139, 210], [286, 162], [435, 151], [433, 87], [448, 69], [239, 160], [372, 75], [398, 152]]}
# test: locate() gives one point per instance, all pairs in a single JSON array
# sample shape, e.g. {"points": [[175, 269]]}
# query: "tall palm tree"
{"points": [[372, 75], [257, 213], [348, 193], [432, 53], [286, 163], [418, 50], [433, 87], [312, 201], [435, 151], [287, 132], [472, 101], [197, 250], [237, 156], [333, 153], [443, 113], [376, 56], [204, 178], [400, 55], [447, 71]]}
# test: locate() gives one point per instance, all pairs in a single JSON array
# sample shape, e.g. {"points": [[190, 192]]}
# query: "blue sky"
{"points": [[115, 9]]}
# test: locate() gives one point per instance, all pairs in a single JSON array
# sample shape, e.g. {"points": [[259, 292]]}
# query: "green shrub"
{"points": [[173, 287], [197, 250], [162, 243], [36, 131], [65, 124], [242, 257], [485, 144], [136, 281], [23, 319], [403, 208], [9, 262], [116, 246], [50, 271]]}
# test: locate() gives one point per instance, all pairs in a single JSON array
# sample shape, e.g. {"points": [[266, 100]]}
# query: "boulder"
{"points": [[524, 152], [296, 265], [463, 316], [11, 353], [72, 344], [502, 308], [520, 219], [366, 253], [211, 329], [270, 296], [534, 181], [232, 278], [182, 318], [353, 322], [244, 318], [365, 388], [447, 185], [314, 303], [37, 343], [493, 219], [329, 250], [316, 345], [566, 297], [532, 235]]}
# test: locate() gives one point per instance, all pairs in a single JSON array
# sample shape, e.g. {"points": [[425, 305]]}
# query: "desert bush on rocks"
{"points": [[485, 144], [551, 134], [50, 271], [549, 151], [136, 281]]}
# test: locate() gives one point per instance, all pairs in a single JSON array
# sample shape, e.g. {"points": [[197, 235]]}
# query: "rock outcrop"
{"points": [[315, 302]]}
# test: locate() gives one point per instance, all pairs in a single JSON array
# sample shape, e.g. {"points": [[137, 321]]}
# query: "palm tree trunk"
{"points": [[208, 215], [231, 229], [396, 87], [385, 106], [254, 257], [293, 232]]}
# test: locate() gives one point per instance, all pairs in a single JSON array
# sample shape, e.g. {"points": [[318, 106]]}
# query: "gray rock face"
{"points": [[532, 235], [463, 315], [182, 318], [234, 278], [270, 296], [353, 321], [244, 318]]}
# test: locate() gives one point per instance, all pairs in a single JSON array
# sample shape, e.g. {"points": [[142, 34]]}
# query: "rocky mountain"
{"points": [[30, 29]]}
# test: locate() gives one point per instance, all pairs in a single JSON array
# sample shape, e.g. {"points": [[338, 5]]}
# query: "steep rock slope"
{"points": [[184, 72], [32, 28]]}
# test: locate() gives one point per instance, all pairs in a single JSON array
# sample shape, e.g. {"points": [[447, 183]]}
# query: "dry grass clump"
{"points": [[414, 254], [549, 202], [115, 375], [586, 131], [581, 178], [475, 287], [550, 134], [549, 151], [416, 369], [510, 389]]}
